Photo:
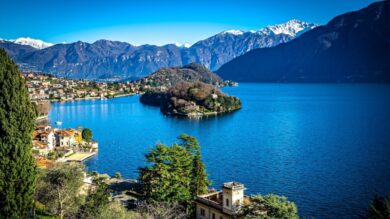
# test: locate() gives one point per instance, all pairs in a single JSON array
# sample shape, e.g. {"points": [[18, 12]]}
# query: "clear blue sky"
{"points": [[155, 22]]}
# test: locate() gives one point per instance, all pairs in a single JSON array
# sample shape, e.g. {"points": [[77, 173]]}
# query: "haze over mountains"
{"points": [[106, 59], [352, 47]]}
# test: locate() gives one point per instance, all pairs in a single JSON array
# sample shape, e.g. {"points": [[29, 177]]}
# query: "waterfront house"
{"points": [[44, 139], [40, 148], [65, 138], [221, 204]]}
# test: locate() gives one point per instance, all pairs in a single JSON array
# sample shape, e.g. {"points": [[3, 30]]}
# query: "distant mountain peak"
{"points": [[233, 32], [38, 44], [184, 45], [292, 28]]}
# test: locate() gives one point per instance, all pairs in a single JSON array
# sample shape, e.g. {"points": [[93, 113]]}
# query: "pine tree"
{"points": [[167, 178], [200, 181], [17, 166]]}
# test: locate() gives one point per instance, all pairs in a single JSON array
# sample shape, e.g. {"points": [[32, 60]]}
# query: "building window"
{"points": [[202, 212], [213, 216], [227, 202]]}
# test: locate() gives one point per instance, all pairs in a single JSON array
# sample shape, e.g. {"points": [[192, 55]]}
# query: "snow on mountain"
{"points": [[233, 32], [39, 44], [104, 57], [291, 27], [184, 45]]}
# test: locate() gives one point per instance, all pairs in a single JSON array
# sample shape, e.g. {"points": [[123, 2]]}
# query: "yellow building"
{"points": [[222, 204]]}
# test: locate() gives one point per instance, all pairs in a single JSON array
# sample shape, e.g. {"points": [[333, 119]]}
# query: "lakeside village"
{"points": [[45, 87], [55, 145]]}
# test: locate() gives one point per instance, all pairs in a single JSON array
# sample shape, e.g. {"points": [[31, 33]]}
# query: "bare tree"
{"points": [[43, 107]]}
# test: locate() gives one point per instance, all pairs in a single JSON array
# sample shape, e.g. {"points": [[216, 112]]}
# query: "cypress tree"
{"points": [[17, 120], [200, 181]]}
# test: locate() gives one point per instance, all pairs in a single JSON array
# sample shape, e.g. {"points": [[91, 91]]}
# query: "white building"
{"points": [[64, 138]]}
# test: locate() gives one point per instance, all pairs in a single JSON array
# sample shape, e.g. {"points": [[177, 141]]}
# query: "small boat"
{"points": [[58, 123]]}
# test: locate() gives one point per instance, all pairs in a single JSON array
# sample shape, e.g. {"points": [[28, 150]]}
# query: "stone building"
{"points": [[221, 204]]}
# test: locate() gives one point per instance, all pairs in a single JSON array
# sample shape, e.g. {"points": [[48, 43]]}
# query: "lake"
{"points": [[325, 147]]}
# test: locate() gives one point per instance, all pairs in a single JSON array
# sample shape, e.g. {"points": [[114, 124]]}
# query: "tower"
{"points": [[233, 196]]}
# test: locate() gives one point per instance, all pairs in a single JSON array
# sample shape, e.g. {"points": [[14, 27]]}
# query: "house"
{"points": [[64, 138], [44, 139], [40, 147], [48, 138], [221, 204]]}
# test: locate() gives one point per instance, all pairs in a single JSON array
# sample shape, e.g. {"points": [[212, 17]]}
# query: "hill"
{"points": [[192, 100], [170, 76]]}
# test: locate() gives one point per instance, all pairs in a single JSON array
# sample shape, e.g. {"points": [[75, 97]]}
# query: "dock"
{"points": [[79, 156]]}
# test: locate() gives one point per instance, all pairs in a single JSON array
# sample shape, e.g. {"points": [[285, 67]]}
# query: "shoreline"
{"points": [[80, 156], [89, 98]]}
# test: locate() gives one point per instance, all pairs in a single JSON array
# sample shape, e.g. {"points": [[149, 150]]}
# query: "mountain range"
{"points": [[106, 59], [352, 47]]}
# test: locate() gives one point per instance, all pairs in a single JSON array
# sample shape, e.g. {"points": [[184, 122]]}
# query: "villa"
{"points": [[221, 204], [64, 138], [44, 139]]}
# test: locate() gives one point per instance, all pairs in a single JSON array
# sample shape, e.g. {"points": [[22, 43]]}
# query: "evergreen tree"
{"points": [[87, 134], [167, 179], [200, 181], [190, 143], [96, 201], [176, 173], [17, 120]]}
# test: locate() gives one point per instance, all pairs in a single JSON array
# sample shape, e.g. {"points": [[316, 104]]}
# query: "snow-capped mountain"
{"points": [[105, 58], [38, 44], [184, 45], [233, 32], [352, 47], [292, 27], [215, 51]]}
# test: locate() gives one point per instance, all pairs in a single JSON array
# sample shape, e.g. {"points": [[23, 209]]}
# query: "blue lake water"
{"points": [[325, 147]]}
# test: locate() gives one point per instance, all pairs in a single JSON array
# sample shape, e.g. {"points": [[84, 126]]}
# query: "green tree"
{"points": [[379, 208], [96, 201], [175, 173], [269, 207], [87, 134], [199, 181], [17, 121], [118, 175], [117, 211], [167, 178], [58, 189]]}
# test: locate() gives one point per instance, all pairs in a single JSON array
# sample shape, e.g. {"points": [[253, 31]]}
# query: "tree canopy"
{"points": [[269, 207], [175, 173], [87, 134], [58, 189], [17, 121], [96, 201]]}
